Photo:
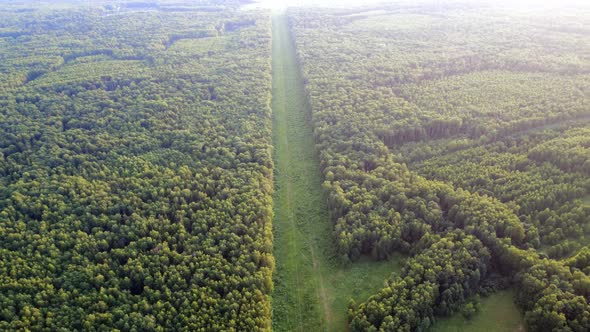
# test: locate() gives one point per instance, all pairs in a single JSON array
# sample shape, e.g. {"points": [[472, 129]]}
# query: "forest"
{"points": [[158, 166], [458, 134], [135, 169]]}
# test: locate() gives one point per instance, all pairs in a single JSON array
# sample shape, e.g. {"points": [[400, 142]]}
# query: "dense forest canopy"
{"points": [[455, 118], [135, 168], [136, 160]]}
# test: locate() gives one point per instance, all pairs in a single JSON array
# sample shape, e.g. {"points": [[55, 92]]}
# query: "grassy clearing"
{"points": [[498, 313], [358, 281], [586, 200], [311, 290]]}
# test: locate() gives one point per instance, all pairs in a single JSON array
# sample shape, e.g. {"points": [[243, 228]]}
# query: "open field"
{"points": [[498, 313]]}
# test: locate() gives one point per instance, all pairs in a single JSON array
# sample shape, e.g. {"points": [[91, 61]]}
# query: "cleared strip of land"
{"points": [[311, 289]]}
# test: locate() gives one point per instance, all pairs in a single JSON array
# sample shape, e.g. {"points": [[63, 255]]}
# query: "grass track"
{"points": [[498, 313], [311, 290]]}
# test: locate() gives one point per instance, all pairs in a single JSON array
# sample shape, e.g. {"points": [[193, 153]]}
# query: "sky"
{"points": [[327, 3], [277, 4]]}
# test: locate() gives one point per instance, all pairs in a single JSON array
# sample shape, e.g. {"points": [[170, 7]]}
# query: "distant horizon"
{"points": [[359, 3]]}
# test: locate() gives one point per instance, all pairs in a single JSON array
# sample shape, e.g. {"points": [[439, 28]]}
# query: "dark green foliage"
{"points": [[466, 94], [135, 168], [544, 196], [471, 308], [570, 152], [555, 299], [135, 173], [435, 282], [581, 260]]}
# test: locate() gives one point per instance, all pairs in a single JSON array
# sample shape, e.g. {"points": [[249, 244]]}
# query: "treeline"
{"points": [[136, 194], [380, 206], [570, 152], [521, 102], [435, 282], [543, 195], [554, 297]]}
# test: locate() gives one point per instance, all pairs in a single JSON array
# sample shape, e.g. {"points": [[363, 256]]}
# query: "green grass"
{"points": [[311, 290], [586, 200], [498, 314]]}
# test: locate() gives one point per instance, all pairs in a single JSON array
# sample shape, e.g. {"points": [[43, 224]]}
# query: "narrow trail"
{"points": [[311, 289]]}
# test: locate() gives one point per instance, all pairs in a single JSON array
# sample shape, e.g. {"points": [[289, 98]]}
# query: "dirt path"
{"points": [[324, 299]]}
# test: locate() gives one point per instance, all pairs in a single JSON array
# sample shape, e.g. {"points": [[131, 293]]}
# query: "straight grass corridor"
{"points": [[311, 289], [299, 207]]}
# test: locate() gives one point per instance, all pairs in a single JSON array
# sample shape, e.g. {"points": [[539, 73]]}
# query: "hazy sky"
{"points": [[349, 3]]}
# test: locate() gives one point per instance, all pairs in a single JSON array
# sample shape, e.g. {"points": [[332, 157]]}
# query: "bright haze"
{"points": [[277, 4]]}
